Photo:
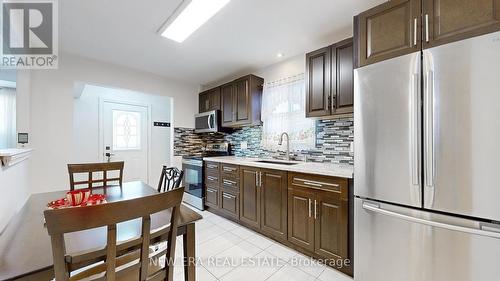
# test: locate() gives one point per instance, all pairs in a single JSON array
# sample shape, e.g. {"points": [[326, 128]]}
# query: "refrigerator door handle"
{"points": [[375, 207], [414, 130], [429, 173], [415, 23]]}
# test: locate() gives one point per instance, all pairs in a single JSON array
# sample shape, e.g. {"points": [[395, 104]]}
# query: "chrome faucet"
{"points": [[287, 144]]}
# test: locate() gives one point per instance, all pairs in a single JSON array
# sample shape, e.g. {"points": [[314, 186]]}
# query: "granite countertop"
{"points": [[324, 169]]}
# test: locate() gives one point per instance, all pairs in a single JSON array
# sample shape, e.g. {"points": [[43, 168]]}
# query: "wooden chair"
{"points": [[171, 178], [91, 168], [128, 260]]}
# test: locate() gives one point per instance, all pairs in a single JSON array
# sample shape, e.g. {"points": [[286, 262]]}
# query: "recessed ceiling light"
{"points": [[279, 55], [189, 16]]}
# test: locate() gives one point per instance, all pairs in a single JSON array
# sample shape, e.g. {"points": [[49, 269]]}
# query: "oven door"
{"points": [[207, 122], [194, 194]]}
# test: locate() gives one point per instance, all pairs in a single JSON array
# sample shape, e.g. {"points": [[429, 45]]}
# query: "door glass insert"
{"points": [[126, 130]]}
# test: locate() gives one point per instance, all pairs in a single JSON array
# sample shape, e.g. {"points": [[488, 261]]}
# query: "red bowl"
{"points": [[77, 197]]}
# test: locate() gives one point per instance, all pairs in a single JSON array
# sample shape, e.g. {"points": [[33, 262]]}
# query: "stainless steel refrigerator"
{"points": [[427, 165]]}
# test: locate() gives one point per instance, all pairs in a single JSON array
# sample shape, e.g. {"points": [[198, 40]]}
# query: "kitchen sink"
{"points": [[276, 162]]}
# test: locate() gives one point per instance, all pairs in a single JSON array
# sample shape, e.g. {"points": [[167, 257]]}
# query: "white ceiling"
{"points": [[244, 36]]}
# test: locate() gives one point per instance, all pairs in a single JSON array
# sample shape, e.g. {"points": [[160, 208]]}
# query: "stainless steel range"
{"points": [[193, 168]]}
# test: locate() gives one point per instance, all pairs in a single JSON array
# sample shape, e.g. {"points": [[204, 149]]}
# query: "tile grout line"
{"points": [[261, 250]]}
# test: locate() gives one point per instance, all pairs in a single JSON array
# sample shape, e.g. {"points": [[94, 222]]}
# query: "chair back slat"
{"points": [[170, 178], [90, 168], [117, 255]]}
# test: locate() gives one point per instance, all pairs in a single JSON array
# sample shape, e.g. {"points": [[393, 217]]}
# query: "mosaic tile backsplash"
{"points": [[333, 142]]}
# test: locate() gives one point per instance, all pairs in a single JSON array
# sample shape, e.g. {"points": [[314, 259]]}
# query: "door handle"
{"points": [[374, 207], [257, 179], [108, 155], [260, 179]]}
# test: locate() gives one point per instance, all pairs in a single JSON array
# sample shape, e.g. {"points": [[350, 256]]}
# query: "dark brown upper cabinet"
{"points": [[329, 80], [210, 100], [318, 82], [228, 110], [241, 101], [389, 30], [447, 21], [343, 81], [400, 27]]}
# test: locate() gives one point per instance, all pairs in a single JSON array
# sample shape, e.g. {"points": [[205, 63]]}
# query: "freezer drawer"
{"points": [[394, 244]]}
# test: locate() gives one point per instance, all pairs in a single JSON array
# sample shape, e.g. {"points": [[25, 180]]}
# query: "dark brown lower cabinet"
{"points": [[230, 203], [331, 221], [212, 197], [300, 220], [273, 203], [249, 197], [318, 215], [263, 202], [307, 212]]}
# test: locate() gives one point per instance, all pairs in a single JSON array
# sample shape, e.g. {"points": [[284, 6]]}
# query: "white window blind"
{"points": [[283, 110], [7, 118]]}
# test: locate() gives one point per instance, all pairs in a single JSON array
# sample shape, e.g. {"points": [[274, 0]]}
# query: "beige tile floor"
{"points": [[227, 251]]}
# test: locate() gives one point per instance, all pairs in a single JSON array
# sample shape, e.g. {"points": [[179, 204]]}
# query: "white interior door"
{"points": [[125, 137]]}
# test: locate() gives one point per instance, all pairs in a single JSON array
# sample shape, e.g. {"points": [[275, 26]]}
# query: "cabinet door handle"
{"points": [[212, 166], [227, 196], [256, 178], [315, 210], [229, 182], [226, 169], [313, 184], [415, 23], [210, 190], [426, 27], [316, 183], [260, 179], [211, 178], [310, 207]]}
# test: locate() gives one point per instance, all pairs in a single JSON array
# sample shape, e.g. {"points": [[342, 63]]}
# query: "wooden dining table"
{"points": [[25, 248]]}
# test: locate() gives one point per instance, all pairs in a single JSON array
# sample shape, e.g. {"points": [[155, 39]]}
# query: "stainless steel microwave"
{"points": [[207, 122]]}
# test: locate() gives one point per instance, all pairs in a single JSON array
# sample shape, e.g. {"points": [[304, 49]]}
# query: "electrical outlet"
{"points": [[244, 145]]}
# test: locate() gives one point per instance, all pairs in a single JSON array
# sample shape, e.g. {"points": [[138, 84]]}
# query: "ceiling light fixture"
{"points": [[279, 55], [189, 16]]}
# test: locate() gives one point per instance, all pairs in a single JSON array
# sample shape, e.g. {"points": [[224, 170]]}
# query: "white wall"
{"points": [[290, 67], [86, 120], [51, 116]]}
